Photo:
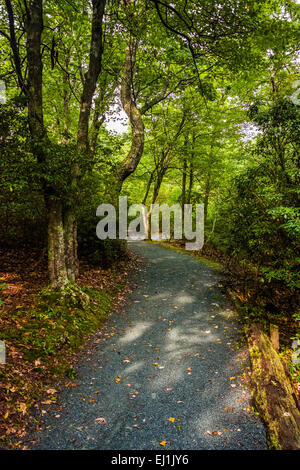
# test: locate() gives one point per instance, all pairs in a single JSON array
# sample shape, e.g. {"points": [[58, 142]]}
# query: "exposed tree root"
{"points": [[272, 392]]}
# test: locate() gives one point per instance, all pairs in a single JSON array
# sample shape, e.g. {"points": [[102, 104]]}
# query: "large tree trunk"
{"points": [[70, 238], [56, 245], [35, 69]]}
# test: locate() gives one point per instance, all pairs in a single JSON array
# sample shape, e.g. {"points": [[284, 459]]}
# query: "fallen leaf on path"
{"points": [[51, 391], [101, 420], [23, 408]]}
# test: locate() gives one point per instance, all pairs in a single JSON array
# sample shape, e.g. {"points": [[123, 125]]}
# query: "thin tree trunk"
{"points": [[98, 120], [148, 187], [183, 197], [66, 131], [206, 197], [130, 163], [191, 170], [91, 78], [135, 115]]}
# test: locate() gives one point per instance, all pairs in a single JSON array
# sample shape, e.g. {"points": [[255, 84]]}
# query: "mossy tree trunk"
{"points": [[272, 392], [56, 245]]}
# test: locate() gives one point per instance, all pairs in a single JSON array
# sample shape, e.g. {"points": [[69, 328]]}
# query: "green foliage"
{"points": [[21, 202], [264, 217]]}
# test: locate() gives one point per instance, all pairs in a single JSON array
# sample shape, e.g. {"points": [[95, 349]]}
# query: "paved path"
{"points": [[167, 370]]}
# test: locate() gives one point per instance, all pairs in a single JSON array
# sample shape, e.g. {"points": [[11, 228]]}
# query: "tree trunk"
{"points": [[70, 237], [148, 187], [89, 87], [272, 392], [191, 171], [130, 163], [206, 197], [191, 181], [56, 245], [183, 197]]}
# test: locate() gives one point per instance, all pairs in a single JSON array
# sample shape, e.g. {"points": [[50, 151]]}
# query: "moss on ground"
{"points": [[56, 323]]}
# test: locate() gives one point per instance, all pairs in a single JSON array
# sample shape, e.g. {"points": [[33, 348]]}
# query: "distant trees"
{"points": [[64, 63]]}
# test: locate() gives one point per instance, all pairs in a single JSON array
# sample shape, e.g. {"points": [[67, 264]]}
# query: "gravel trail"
{"points": [[164, 375]]}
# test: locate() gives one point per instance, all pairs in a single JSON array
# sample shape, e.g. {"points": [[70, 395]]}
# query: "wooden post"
{"points": [[274, 336]]}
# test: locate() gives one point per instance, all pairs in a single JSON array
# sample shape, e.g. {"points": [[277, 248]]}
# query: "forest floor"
{"points": [[37, 356], [169, 370]]}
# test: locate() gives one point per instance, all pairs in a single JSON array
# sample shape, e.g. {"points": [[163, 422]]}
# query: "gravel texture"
{"points": [[166, 371]]}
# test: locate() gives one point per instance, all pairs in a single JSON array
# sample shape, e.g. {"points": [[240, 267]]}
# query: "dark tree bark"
{"points": [[91, 77], [206, 196], [56, 254], [98, 120], [191, 171]]}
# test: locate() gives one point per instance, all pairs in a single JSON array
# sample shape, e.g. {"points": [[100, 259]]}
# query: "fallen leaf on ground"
{"points": [[51, 391], [101, 420]]}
